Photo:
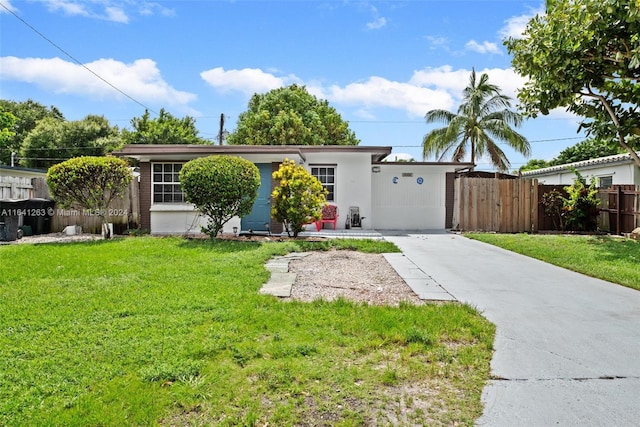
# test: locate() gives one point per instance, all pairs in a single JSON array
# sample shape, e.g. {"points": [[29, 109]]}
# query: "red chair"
{"points": [[329, 216]]}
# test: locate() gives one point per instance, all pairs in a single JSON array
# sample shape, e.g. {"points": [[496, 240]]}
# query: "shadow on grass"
{"points": [[614, 248], [220, 245]]}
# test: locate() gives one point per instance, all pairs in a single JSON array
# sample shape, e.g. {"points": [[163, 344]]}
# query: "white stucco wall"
{"points": [[621, 173], [410, 196], [182, 219], [353, 183], [353, 188]]}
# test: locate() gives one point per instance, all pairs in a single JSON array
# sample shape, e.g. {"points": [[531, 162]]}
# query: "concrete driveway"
{"points": [[567, 348]]}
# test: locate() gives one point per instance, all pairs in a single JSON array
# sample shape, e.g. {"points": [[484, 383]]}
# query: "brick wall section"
{"points": [[276, 227], [145, 195]]}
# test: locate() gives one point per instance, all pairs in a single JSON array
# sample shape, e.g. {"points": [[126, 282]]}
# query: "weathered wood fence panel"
{"points": [[620, 208], [514, 206], [14, 187], [124, 212], [490, 204]]}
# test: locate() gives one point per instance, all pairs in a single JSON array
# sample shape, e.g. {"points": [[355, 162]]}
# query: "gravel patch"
{"points": [[54, 238], [352, 275]]}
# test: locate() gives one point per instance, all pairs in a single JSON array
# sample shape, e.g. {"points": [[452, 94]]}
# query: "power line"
{"points": [[75, 60], [503, 143]]}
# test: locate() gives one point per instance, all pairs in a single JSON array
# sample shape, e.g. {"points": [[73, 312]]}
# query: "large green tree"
{"points": [[27, 115], [585, 150], [164, 129], [53, 141], [483, 118], [291, 116], [584, 55]]}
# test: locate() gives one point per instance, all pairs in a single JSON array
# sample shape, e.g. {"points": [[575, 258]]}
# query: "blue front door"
{"points": [[260, 215]]}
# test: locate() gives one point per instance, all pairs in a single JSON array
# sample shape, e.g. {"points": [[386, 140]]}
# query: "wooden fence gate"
{"points": [[491, 204], [620, 207]]}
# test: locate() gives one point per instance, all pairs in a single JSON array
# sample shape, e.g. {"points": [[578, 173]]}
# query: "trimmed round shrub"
{"points": [[221, 187]]}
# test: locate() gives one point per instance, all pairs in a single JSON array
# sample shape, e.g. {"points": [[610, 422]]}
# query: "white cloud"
{"points": [[107, 10], [7, 4], [152, 8], [378, 21], [116, 14], [141, 79], [378, 92], [438, 42], [70, 8], [247, 80], [427, 89], [454, 81], [484, 47], [515, 26]]}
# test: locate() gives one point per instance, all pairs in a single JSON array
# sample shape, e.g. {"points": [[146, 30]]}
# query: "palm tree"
{"points": [[483, 117]]}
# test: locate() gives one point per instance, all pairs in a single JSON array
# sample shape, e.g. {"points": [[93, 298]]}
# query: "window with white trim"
{"points": [[327, 176], [605, 181], [165, 183]]}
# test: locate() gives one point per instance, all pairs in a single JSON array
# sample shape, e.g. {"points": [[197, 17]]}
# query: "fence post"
{"points": [[534, 206], [619, 202]]}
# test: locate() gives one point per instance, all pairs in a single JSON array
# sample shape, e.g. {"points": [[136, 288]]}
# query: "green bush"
{"points": [[90, 183], [582, 204], [298, 199], [221, 187]]}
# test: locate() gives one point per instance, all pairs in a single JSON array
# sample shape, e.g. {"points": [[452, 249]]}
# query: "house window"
{"points": [[605, 181], [166, 183], [327, 176]]}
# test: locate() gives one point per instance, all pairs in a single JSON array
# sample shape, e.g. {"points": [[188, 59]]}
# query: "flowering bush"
{"points": [[298, 199]]}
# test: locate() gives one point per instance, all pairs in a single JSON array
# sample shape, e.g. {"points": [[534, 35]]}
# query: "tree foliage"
{"points": [[483, 118], [7, 126], [584, 55], [27, 115], [584, 150], [221, 187], [577, 208], [53, 140], [291, 116], [165, 129], [534, 164], [89, 183], [298, 199]]}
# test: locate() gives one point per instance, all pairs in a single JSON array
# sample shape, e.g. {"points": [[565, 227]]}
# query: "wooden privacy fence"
{"points": [[124, 213], [501, 205], [514, 206], [14, 187], [620, 208]]}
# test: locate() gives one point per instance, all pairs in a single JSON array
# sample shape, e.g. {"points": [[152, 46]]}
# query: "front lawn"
{"points": [[610, 258], [151, 331]]}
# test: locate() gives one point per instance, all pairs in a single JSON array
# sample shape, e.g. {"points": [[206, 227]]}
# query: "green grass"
{"points": [[610, 258], [165, 331]]}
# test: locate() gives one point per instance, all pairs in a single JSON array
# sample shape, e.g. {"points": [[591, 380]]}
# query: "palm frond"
{"points": [[483, 117], [435, 116]]}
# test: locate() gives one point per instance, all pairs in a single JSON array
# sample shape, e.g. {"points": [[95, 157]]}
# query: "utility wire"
{"points": [[75, 60]]}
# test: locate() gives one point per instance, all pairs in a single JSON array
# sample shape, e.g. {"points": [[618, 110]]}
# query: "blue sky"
{"points": [[382, 65]]}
